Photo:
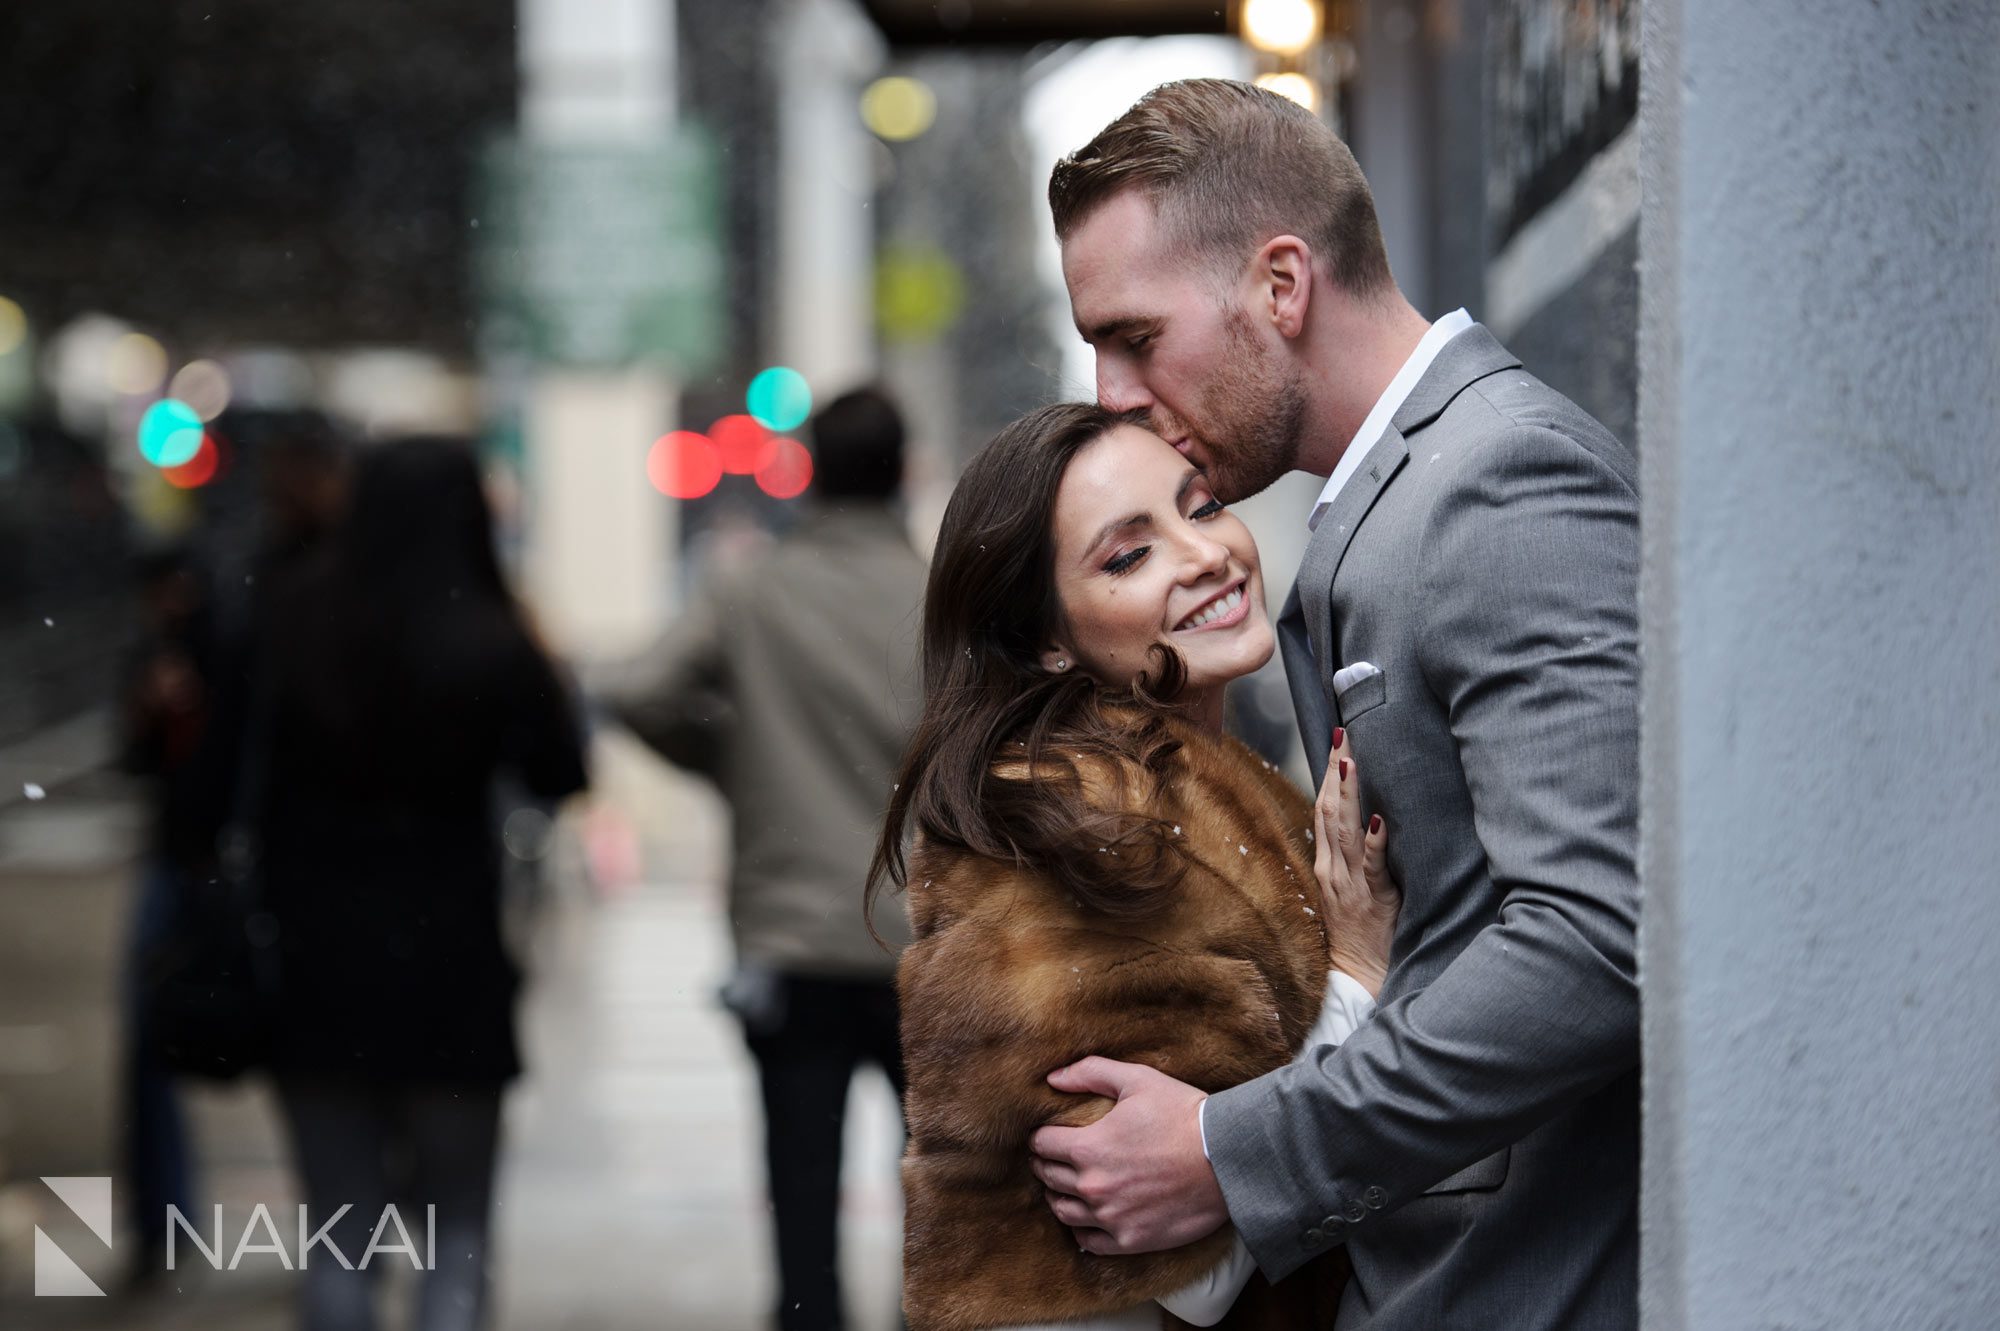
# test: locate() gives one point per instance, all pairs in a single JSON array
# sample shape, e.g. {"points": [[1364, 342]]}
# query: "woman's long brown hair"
{"points": [[1003, 749]]}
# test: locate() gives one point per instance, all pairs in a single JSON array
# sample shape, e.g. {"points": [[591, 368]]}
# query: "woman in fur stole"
{"points": [[1097, 868]]}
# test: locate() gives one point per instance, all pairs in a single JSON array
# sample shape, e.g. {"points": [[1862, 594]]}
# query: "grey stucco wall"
{"points": [[1820, 427]]}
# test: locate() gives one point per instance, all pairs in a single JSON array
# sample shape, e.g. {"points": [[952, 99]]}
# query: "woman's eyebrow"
{"points": [[1188, 479], [1115, 525]]}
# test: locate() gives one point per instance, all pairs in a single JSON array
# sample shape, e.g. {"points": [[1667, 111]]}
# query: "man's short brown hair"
{"points": [[1227, 166]]}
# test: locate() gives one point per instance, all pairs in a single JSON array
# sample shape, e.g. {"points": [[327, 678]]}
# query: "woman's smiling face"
{"points": [[1145, 556]]}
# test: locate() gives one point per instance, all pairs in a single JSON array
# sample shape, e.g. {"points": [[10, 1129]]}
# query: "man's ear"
{"points": [[1283, 273]]}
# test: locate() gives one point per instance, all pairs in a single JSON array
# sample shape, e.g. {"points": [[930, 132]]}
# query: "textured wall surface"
{"points": [[1820, 423]]}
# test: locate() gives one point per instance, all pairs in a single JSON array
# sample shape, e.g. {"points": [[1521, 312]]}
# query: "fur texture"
{"points": [[1010, 978]]}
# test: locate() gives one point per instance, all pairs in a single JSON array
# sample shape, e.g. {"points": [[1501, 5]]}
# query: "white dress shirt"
{"points": [[1386, 406]]}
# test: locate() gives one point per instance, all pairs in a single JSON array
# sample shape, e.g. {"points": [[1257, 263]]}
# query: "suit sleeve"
{"points": [[1529, 640], [675, 696]]}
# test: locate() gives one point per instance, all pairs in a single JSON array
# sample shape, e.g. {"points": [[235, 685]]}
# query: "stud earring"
{"points": [[1062, 665]]}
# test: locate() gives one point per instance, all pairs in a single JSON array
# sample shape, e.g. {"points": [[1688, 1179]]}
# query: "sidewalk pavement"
{"points": [[631, 1191]]}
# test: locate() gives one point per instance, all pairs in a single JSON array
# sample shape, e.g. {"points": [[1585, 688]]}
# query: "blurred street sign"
{"points": [[603, 254]]}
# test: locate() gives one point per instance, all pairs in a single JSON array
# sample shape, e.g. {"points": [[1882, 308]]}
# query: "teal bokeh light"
{"points": [[169, 433], [779, 398]]}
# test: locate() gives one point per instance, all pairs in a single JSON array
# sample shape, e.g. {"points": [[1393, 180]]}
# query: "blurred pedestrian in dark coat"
{"points": [[187, 708], [405, 681]]}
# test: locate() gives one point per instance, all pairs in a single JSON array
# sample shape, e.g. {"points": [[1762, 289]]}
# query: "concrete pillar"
{"points": [[823, 323], [601, 546], [1820, 425]]}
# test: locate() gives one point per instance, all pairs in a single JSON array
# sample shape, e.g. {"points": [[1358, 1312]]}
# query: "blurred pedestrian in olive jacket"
{"points": [[405, 681], [791, 683]]}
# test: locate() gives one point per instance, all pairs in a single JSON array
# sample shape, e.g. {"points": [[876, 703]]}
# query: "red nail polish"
{"points": [[1339, 736], [1343, 769], [1375, 824]]}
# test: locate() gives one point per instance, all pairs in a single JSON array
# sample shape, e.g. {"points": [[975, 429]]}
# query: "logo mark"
{"points": [[56, 1274]]}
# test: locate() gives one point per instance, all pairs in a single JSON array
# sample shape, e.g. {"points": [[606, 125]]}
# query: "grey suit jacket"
{"points": [[1476, 1144]]}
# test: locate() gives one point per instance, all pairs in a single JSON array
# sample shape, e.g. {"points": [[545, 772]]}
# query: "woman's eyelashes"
{"points": [[1126, 562], [1129, 560]]}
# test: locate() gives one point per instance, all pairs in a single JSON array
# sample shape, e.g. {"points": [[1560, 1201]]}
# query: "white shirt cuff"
{"points": [[1347, 1005]]}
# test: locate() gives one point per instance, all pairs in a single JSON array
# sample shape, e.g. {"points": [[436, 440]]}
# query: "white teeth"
{"points": [[1214, 610]]}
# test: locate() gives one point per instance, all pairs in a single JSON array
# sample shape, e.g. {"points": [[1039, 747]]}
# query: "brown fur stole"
{"points": [[1010, 978]]}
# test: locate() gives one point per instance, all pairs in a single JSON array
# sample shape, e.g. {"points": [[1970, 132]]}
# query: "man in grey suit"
{"points": [[1466, 618]]}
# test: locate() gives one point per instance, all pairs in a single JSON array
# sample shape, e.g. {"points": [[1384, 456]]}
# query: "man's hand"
{"points": [[1136, 1180]]}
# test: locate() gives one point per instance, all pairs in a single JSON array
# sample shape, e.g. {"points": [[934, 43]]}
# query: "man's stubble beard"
{"points": [[1253, 418]]}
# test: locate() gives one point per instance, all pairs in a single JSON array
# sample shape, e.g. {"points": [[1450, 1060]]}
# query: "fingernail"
{"points": [[1339, 736], [1343, 769], [1375, 823]]}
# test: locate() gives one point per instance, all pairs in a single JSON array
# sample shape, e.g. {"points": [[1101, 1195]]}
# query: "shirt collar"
{"points": [[1386, 406]]}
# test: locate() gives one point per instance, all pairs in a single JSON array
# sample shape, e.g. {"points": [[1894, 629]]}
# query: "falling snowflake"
{"points": [[33, 791]]}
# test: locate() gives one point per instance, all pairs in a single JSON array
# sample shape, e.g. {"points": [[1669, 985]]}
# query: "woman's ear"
{"points": [[1057, 660]]}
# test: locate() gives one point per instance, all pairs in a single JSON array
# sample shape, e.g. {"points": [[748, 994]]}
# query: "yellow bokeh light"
{"points": [[135, 364], [897, 108], [1282, 27], [13, 327], [1297, 87], [203, 385]]}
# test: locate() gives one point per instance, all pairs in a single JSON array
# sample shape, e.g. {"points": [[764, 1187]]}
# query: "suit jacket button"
{"points": [[1314, 1238], [1375, 1198], [1333, 1224], [1356, 1213]]}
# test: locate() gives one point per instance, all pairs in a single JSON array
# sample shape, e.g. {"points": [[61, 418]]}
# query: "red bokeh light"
{"points": [[787, 471], [198, 470], [683, 465], [742, 443]]}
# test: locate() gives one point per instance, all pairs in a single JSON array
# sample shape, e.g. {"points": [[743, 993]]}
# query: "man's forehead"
{"points": [[1111, 262], [1116, 238]]}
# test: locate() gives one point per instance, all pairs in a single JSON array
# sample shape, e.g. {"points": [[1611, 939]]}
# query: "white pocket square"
{"points": [[1347, 677]]}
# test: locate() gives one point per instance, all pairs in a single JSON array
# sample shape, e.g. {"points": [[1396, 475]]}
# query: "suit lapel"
{"points": [[1310, 664], [1309, 700], [1336, 532]]}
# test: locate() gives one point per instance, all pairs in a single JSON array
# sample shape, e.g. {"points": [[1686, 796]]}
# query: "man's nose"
{"points": [[1118, 389]]}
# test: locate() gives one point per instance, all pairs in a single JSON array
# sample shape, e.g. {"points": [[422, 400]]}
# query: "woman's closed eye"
{"points": [[1126, 562], [1129, 560]]}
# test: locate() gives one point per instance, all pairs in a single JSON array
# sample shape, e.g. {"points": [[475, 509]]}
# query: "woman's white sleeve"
{"points": [[1204, 1301], [1348, 1004]]}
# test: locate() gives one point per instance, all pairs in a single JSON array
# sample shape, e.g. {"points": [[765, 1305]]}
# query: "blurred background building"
{"points": [[627, 244]]}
